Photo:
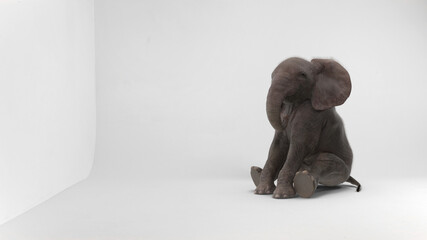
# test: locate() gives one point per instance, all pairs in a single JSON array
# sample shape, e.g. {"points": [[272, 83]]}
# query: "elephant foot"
{"points": [[284, 192], [264, 189], [305, 184], [256, 174]]}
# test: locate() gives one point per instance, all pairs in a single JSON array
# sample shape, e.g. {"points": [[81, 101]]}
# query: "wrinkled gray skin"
{"points": [[309, 133]]}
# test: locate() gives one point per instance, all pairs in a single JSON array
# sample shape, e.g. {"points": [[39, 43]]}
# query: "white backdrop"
{"points": [[47, 99], [181, 88], [181, 85]]}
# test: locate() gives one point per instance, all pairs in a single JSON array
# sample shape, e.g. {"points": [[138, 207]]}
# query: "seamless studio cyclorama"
{"points": [[203, 120]]}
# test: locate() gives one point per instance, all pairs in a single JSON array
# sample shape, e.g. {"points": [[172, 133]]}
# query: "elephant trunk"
{"points": [[277, 93]]}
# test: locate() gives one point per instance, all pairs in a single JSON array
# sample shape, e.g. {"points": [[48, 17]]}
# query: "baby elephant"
{"points": [[310, 145]]}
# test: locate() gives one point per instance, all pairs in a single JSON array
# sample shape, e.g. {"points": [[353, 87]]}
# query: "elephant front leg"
{"points": [[293, 162], [276, 158]]}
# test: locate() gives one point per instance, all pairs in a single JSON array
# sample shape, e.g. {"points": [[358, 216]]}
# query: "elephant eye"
{"points": [[302, 74]]}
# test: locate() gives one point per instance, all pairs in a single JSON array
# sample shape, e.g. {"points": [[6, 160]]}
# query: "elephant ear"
{"points": [[333, 85]]}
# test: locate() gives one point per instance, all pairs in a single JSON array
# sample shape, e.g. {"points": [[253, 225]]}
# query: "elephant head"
{"points": [[323, 81]]}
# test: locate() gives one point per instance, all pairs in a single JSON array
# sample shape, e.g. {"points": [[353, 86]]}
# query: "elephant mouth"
{"points": [[286, 101], [280, 95], [290, 99], [285, 114]]}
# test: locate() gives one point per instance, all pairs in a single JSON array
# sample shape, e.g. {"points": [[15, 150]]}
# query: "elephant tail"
{"points": [[354, 182]]}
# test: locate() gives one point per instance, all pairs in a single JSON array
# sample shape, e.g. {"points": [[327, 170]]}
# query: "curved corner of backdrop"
{"points": [[47, 100]]}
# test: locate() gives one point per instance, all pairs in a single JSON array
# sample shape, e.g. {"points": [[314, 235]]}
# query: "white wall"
{"points": [[47, 99], [181, 85]]}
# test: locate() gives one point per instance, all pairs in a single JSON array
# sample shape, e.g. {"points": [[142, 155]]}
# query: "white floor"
{"points": [[223, 209]]}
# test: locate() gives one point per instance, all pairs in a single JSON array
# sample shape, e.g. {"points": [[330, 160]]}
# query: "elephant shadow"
{"points": [[324, 190]]}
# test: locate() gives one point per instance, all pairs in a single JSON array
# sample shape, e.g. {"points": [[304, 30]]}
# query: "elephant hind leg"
{"points": [[325, 168], [305, 184], [330, 169], [256, 174]]}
